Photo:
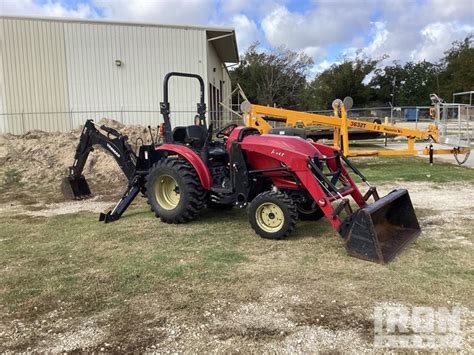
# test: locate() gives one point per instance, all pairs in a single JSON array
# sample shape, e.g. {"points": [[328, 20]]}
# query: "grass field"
{"points": [[69, 283]]}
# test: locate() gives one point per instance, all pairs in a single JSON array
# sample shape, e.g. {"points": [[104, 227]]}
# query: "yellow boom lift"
{"points": [[258, 116]]}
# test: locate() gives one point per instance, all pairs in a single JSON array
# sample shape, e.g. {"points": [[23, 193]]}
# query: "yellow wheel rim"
{"points": [[269, 217], [167, 192]]}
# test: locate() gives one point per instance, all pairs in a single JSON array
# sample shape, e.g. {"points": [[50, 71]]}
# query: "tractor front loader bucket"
{"points": [[380, 231], [75, 188]]}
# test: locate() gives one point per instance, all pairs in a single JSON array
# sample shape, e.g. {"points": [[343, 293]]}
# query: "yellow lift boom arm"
{"points": [[255, 117]]}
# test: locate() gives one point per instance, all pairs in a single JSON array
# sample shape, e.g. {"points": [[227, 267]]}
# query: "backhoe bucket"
{"points": [[75, 188], [380, 231]]}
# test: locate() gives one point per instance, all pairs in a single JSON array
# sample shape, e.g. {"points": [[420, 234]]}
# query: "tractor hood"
{"points": [[278, 146]]}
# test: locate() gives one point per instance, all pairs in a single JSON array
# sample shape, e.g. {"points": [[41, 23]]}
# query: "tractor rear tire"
{"points": [[273, 215], [306, 213], [174, 191]]}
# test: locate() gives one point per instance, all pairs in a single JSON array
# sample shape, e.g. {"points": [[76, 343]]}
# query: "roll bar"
{"points": [[165, 105]]}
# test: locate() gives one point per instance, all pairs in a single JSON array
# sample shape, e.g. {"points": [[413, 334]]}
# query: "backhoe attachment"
{"points": [[75, 185]]}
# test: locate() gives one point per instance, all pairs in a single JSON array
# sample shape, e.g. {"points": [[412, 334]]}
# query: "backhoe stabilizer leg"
{"points": [[124, 202]]}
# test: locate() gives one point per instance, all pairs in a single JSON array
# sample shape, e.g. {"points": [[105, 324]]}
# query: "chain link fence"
{"points": [[23, 122], [393, 114]]}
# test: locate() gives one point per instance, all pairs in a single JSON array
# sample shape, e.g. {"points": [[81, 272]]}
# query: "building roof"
{"points": [[223, 38]]}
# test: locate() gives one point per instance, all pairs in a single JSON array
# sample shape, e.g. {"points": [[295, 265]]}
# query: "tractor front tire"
{"points": [[273, 215], [174, 191]]}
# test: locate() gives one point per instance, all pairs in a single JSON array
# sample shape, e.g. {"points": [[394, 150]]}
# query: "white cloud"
{"points": [[49, 8], [323, 25], [246, 31], [406, 33], [237, 6], [450, 10], [250, 7], [314, 52], [380, 38], [437, 38], [403, 29], [164, 11], [323, 65]]}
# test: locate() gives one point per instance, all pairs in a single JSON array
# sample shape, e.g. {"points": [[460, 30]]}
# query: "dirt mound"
{"points": [[39, 160]]}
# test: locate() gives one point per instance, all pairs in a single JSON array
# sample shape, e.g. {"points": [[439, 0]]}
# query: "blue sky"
{"points": [[324, 29]]}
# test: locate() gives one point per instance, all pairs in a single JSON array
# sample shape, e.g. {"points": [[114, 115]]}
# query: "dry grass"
{"points": [[68, 282]]}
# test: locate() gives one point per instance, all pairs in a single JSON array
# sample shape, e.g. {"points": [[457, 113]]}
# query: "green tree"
{"points": [[410, 84], [276, 77], [457, 68], [279, 77], [339, 81], [384, 83]]}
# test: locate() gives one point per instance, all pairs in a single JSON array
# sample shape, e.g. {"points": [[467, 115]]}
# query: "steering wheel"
{"points": [[226, 131]]}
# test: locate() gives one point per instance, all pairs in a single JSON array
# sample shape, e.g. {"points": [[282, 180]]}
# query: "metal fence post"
{"points": [[416, 117], [23, 121]]}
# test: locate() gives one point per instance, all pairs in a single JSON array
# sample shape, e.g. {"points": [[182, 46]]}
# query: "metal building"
{"points": [[55, 73]]}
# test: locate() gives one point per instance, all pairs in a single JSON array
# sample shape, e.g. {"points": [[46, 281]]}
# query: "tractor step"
{"points": [[222, 190]]}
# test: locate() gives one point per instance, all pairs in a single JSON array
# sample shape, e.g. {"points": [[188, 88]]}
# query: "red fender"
{"points": [[193, 159]]}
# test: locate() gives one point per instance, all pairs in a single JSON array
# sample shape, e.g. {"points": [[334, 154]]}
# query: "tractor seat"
{"points": [[179, 134], [195, 136]]}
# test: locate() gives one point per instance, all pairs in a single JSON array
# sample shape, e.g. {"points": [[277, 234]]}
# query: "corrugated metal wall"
{"points": [[146, 55], [34, 74], [2, 79], [69, 67]]}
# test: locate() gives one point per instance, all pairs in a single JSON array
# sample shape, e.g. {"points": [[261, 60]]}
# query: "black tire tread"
{"points": [[287, 201], [197, 194]]}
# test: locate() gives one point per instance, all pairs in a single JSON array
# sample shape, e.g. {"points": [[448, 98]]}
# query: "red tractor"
{"points": [[280, 178]]}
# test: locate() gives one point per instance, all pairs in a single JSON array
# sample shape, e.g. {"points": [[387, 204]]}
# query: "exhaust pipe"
{"points": [[75, 188], [380, 231]]}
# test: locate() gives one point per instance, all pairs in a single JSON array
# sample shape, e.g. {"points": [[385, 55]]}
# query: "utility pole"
{"points": [[393, 89]]}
